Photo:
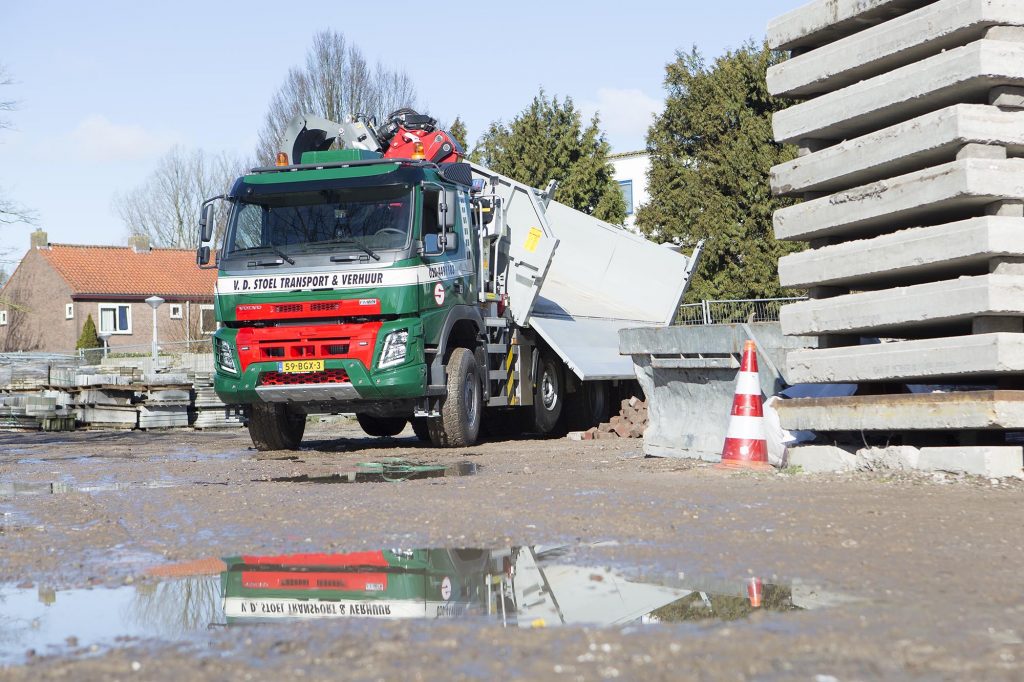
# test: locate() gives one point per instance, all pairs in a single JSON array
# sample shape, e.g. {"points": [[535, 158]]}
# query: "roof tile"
{"points": [[121, 270]]}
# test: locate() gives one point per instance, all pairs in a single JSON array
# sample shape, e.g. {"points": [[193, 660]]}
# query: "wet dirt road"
{"points": [[113, 548]]}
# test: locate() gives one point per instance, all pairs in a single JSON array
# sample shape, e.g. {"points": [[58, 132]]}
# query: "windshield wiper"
{"points": [[359, 245], [288, 259], [284, 256]]}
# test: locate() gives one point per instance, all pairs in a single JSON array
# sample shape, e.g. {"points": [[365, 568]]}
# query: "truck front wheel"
{"points": [[463, 405], [381, 427], [272, 426]]}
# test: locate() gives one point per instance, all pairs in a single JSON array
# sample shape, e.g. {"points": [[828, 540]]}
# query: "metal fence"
{"points": [[169, 352], [733, 312]]}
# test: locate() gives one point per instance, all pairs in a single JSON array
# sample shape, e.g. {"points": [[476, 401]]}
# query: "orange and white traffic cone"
{"points": [[755, 591], [745, 444]]}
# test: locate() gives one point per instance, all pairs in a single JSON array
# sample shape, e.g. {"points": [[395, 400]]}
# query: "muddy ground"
{"points": [[926, 571]]}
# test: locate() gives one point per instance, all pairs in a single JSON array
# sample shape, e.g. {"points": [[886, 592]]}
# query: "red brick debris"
{"points": [[630, 422]]}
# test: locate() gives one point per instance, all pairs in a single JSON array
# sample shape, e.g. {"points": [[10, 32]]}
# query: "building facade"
{"points": [[631, 174], [56, 287]]}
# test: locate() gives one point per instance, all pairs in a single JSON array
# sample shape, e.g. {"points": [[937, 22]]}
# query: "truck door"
{"points": [[448, 279]]}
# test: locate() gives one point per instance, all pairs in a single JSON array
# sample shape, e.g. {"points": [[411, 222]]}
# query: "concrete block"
{"points": [[964, 74], [906, 412], [991, 462], [957, 357], [937, 252], [824, 21], [929, 140], [892, 44], [821, 458], [698, 347], [931, 308], [895, 457], [914, 198]]}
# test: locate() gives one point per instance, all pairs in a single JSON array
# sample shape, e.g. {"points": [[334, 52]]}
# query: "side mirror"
{"points": [[447, 205], [202, 255], [431, 247], [451, 242], [206, 220]]}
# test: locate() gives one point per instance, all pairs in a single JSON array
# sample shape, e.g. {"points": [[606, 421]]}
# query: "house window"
{"points": [[626, 187], [115, 319], [69, 311], [3, 318], [207, 319], [175, 311]]}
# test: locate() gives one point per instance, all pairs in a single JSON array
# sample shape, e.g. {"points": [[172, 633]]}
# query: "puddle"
{"points": [[516, 587], [387, 471], [62, 488]]}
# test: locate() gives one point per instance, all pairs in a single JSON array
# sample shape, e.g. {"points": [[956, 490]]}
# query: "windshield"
{"points": [[376, 218]]}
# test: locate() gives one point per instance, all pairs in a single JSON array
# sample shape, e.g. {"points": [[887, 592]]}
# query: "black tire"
{"points": [[381, 427], [419, 427], [463, 405], [548, 394], [272, 426], [589, 405]]}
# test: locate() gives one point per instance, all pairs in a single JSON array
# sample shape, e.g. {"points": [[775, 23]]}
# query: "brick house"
{"points": [[56, 286]]}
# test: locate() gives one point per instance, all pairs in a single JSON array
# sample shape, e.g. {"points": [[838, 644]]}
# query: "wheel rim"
{"points": [[469, 393], [549, 389]]}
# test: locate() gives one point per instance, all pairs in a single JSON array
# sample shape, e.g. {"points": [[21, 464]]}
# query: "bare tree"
{"points": [[165, 207], [335, 82], [10, 211]]}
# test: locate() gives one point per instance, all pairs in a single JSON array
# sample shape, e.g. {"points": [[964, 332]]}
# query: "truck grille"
{"points": [[328, 376]]}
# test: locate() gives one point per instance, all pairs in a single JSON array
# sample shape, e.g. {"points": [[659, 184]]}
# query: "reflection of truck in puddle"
{"points": [[524, 586], [422, 583]]}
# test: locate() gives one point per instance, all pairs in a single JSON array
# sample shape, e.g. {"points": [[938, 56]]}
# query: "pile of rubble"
{"points": [[630, 422]]}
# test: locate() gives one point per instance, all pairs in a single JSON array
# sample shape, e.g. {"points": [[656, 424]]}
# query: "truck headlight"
{"points": [[394, 350], [225, 358]]}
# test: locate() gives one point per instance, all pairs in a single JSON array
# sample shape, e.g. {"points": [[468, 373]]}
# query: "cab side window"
{"points": [[430, 225]]}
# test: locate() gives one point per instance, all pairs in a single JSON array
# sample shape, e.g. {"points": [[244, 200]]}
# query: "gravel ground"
{"points": [[927, 568]]}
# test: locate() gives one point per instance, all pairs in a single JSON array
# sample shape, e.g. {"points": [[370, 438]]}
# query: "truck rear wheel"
{"points": [[463, 405], [548, 394], [420, 428], [381, 427], [589, 405], [272, 426]]}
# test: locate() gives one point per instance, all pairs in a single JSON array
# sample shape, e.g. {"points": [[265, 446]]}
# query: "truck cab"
{"points": [[337, 280]]}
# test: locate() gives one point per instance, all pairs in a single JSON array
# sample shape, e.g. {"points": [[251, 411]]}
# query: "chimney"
{"points": [[139, 243], [40, 240]]}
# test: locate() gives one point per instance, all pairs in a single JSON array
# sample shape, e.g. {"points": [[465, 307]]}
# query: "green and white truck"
{"points": [[374, 272]]}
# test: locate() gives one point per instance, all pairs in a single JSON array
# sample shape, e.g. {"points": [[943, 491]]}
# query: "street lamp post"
{"points": [[154, 303], [103, 336]]}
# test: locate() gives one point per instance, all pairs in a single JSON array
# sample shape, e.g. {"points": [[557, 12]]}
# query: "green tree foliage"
{"points": [[88, 337], [711, 153], [458, 131], [547, 141]]}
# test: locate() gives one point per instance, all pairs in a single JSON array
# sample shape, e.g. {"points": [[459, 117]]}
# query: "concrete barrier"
{"points": [[688, 375]]}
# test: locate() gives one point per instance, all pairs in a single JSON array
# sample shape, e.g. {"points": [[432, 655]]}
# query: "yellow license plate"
{"points": [[300, 366]]}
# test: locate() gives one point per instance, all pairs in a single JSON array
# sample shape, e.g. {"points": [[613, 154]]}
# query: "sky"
{"points": [[104, 89]]}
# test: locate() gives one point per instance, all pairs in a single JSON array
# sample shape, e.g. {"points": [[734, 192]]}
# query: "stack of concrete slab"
{"points": [[164, 400], [210, 411], [910, 137], [105, 397]]}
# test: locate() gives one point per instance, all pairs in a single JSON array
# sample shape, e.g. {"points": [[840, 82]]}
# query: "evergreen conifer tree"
{"points": [[547, 141], [88, 338], [458, 131], [712, 149]]}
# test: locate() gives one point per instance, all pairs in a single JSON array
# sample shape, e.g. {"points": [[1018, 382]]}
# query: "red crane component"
{"points": [[437, 146]]}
